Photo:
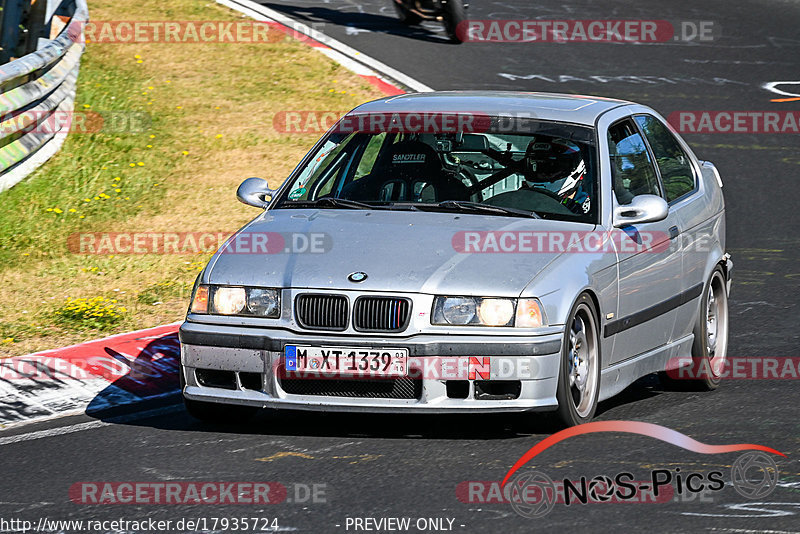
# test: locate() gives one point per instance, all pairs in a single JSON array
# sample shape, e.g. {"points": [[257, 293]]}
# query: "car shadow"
{"points": [[645, 388], [151, 379], [355, 23]]}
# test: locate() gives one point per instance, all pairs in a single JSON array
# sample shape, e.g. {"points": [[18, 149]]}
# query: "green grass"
{"points": [[86, 168]]}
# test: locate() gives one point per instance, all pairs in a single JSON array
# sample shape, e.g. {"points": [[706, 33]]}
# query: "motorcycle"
{"points": [[449, 12]]}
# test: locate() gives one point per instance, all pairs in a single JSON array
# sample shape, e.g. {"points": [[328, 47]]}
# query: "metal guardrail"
{"points": [[35, 90]]}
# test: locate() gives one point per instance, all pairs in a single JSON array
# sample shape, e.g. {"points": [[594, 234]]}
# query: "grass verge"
{"points": [[210, 110]]}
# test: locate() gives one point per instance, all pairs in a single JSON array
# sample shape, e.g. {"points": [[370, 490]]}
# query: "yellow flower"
{"points": [[49, 209], [131, 165], [185, 152], [87, 106], [118, 190], [152, 136], [117, 178], [168, 81], [72, 210], [141, 164], [149, 146], [331, 90], [81, 216], [87, 199], [219, 136], [178, 107], [139, 61], [8, 340], [57, 210], [137, 56], [127, 198], [150, 87], [97, 198]]}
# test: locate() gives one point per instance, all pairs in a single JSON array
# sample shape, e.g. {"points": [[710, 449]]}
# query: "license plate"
{"points": [[347, 361]]}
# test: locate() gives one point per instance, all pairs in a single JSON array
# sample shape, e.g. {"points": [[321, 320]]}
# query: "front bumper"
{"points": [[251, 353]]}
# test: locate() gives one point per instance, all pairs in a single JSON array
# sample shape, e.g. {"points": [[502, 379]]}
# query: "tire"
{"points": [[579, 372], [710, 345], [406, 16], [454, 15], [215, 412]]}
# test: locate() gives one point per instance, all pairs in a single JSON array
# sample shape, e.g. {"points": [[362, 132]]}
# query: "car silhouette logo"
{"points": [[357, 277]]}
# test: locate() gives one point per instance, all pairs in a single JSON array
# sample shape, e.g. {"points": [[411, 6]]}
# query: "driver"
{"points": [[558, 167]]}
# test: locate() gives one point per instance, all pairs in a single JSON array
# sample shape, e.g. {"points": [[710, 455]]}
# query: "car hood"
{"points": [[402, 251]]}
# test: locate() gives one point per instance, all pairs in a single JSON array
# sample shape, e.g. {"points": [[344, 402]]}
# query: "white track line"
{"points": [[259, 12], [89, 425]]}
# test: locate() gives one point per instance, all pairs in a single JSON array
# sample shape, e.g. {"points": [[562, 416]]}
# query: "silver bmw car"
{"points": [[467, 252]]}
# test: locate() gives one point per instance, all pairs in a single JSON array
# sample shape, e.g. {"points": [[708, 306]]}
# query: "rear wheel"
{"points": [[405, 15], [454, 14], [579, 374], [214, 412], [710, 346]]}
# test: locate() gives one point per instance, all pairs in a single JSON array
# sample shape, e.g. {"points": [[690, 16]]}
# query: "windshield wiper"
{"points": [[465, 205], [333, 203]]}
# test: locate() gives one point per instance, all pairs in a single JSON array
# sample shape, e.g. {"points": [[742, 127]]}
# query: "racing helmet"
{"points": [[555, 160]]}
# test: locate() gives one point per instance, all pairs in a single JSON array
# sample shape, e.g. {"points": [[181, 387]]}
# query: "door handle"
{"points": [[673, 232]]}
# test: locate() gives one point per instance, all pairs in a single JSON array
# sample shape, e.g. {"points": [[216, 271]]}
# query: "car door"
{"points": [[650, 264], [679, 178]]}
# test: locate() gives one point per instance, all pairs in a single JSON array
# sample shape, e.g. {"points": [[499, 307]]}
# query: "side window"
{"points": [[631, 167], [676, 169]]}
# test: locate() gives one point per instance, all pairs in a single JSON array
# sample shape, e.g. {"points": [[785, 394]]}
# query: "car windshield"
{"points": [[549, 173]]}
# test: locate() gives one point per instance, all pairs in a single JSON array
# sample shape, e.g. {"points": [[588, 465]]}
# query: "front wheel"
{"points": [[579, 372], [454, 14]]}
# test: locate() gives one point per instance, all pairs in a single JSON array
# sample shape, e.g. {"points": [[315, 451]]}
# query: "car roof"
{"points": [[576, 109]]}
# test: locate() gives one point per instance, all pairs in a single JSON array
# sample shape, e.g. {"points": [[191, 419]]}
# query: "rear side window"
{"points": [[631, 167], [676, 169]]}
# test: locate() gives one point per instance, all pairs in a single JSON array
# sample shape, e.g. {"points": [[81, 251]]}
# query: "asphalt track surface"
{"points": [[403, 466]]}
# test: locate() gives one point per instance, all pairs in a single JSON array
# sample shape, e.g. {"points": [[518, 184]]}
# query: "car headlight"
{"points": [[487, 311], [226, 300], [229, 300], [263, 302], [496, 312], [458, 310]]}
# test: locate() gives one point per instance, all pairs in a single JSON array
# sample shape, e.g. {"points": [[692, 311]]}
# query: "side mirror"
{"points": [[253, 192], [642, 209]]}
